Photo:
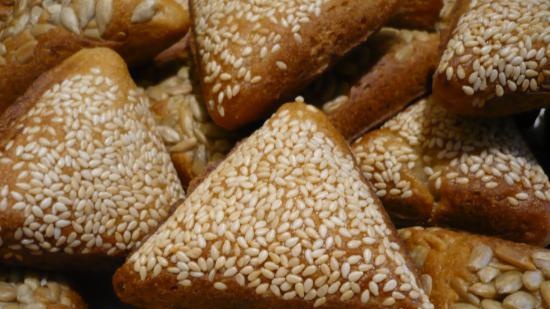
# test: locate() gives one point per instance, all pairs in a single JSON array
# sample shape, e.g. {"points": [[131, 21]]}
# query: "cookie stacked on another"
{"points": [[286, 221], [251, 56], [466, 271], [496, 58], [37, 35], [86, 176], [431, 166]]}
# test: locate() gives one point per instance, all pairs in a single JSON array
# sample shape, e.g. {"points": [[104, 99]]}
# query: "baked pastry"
{"points": [[23, 289], [360, 92], [422, 14], [286, 221], [467, 271], [85, 175], [429, 165], [252, 56], [191, 137], [39, 34], [499, 65], [177, 52]]}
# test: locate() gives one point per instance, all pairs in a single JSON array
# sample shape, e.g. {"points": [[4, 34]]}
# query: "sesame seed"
{"points": [[319, 302], [390, 301], [449, 73], [220, 286], [522, 196], [346, 296], [355, 276], [390, 286], [499, 90], [281, 65], [468, 90], [262, 288], [373, 288]]}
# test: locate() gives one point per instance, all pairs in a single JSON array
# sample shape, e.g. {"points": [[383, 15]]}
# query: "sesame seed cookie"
{"points": [[252, 56], [467, 271], [86, 176], [37, 35], [428, 165], [426, 15], [495, 58], [286, 221], [368, 86], [187, 130]]}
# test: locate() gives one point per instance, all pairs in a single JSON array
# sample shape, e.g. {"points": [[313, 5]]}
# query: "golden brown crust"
{"points": [[52, 43], [243, 269], [488, 71], [531, 219], [413, 204], [428, 165], [384, 90], [177, 52], [12, 220], [417, 14], [404, 210], [144, 40], [514, 103], [464, 268], [49, 236], [56, 75], [287, 65]]}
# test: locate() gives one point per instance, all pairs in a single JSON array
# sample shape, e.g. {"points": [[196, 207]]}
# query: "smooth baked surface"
{"points": [[187, 130], [23, 289], [85, 175], [417, 14], [253, 56], [467, 271], [428, 15], [368, 86], [495, 61], [428, 165], [286, 221], [38, 35]]}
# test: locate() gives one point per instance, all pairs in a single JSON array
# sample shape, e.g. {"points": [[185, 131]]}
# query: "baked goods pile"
{"points": [[21, 289], [152, 142]]}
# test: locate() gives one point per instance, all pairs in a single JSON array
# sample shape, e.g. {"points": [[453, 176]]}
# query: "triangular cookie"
{"points": [[37, 35], [286, 221], [430, 165], [467, 271], [251, 55], [495, 61], [85, 175]]}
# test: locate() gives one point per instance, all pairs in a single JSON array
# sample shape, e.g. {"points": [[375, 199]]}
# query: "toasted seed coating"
{"points": [[37, 35], [87, 176], [285, 220], [507, 282], [430, 165]]}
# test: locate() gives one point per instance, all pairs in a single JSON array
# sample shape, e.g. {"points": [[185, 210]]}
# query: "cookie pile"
{"points": [[236, 154]]}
